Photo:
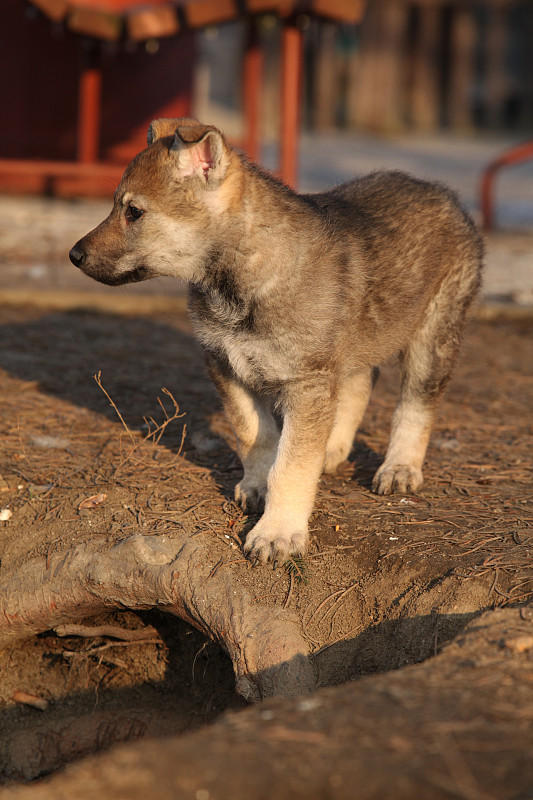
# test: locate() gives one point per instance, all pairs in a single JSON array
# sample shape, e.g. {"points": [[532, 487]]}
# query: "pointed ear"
{"points": [[202, 151], [166, 127]]}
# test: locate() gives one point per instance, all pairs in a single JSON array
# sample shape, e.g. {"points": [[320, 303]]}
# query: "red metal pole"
{"points": [[89, 107], [291, 80], [486, 194], [253, 80], [522, 152]]}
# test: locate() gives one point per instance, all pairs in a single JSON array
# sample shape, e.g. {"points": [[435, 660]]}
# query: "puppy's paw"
{"points": [[397, 478], [335, 456], [250, 497], [275, 543]]}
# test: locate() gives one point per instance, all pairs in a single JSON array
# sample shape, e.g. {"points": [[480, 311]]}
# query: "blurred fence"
{"points": [[425, 64], [411, 64]]}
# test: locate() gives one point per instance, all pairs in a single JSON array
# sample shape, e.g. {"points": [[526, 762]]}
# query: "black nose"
{"points": [[77, 256]]}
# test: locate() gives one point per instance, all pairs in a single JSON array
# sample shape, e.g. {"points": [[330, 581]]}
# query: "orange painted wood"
{"points": [[59, 178], [54, 9], [281, 7], [291, 70], [89, 110], [210, 12], [104, 19], [116, 6], [92, 22], [350, 11], [152, 23]]}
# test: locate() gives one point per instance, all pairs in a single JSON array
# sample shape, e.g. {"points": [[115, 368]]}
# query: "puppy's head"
{"points": [[165, 208]]}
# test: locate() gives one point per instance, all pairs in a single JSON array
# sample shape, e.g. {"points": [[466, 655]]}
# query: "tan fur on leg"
{"points": [[402, 469], [354, 394], [282, 531]]}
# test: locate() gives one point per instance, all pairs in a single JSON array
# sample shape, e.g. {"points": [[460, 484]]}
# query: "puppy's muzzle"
{"points": [[77, 256]]}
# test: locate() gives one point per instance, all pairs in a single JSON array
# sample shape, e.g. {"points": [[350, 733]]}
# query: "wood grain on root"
{"points": [[173, 574], [459, 725]]}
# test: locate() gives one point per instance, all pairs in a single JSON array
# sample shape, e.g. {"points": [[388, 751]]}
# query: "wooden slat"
{"points": [[350, 11], [152, 23], [89, 107], [462, 68], [291, 85], [54, 9], [59, 178], [210, 12], [376, 94], [425, 101], [253, 91], [325, 89], [496, 73], [104, 18], [282, 8], [118, 6], [95, 23]]}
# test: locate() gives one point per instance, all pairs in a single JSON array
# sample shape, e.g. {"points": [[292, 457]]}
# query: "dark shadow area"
{"points": [[454, 726], [198, 685], [62, 351], [388, 646], [365, 462], [136, 357], [40, 743]]}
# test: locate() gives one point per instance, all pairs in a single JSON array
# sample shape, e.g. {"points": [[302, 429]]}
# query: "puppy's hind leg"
{"points": [[427, 365], [411, 426], [354, 393]]}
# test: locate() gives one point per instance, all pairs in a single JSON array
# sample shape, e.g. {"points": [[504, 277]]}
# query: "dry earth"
{"points": [[387, 583]]}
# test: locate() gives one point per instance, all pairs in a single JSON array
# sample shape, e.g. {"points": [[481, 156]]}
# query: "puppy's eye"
{"points": [[134, 213]]}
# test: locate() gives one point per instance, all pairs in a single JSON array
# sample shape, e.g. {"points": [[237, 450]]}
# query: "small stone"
{"points": [[519, 644]]}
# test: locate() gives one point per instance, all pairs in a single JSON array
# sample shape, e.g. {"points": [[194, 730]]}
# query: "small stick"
{"points": [[98, 379], [30, 700], [108, 631], [289, 593]]}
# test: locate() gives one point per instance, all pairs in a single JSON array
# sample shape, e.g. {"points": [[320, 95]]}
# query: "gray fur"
{"points": [[296, 299]]}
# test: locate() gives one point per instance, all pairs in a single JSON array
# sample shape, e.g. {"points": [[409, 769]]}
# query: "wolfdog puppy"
{"points": [[296, 299]]}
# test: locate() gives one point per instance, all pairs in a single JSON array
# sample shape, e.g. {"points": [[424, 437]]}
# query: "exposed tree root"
{"points": [[173, 574], [460, 725]]}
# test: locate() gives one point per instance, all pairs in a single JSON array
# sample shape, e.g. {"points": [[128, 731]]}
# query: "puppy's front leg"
{"points": [[309, 409], [256, 431]]}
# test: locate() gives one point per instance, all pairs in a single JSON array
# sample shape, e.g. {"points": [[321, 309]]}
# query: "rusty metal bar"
{"points": [[89, 106], [515, 155], [291, 81]]}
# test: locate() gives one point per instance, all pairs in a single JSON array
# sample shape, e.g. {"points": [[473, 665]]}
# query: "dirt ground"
{"points": [[387, 582]]}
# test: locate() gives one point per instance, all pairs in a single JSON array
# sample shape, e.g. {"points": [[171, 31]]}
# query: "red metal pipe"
{"points": [[89, 107], [253, 81], [515, 155], [291, 81]]}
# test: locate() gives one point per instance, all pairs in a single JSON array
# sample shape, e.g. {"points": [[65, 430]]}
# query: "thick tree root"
{"points": [[459, 725], [173, 574]]}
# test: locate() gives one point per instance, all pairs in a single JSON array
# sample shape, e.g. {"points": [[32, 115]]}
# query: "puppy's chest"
{"points": [[235, 335]]}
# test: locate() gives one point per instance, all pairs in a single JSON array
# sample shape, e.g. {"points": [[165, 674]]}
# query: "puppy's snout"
{"points": [[77, 256]]}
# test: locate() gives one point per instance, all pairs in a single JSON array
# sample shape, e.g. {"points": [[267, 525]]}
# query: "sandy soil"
{"points": [[387, 582]]}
